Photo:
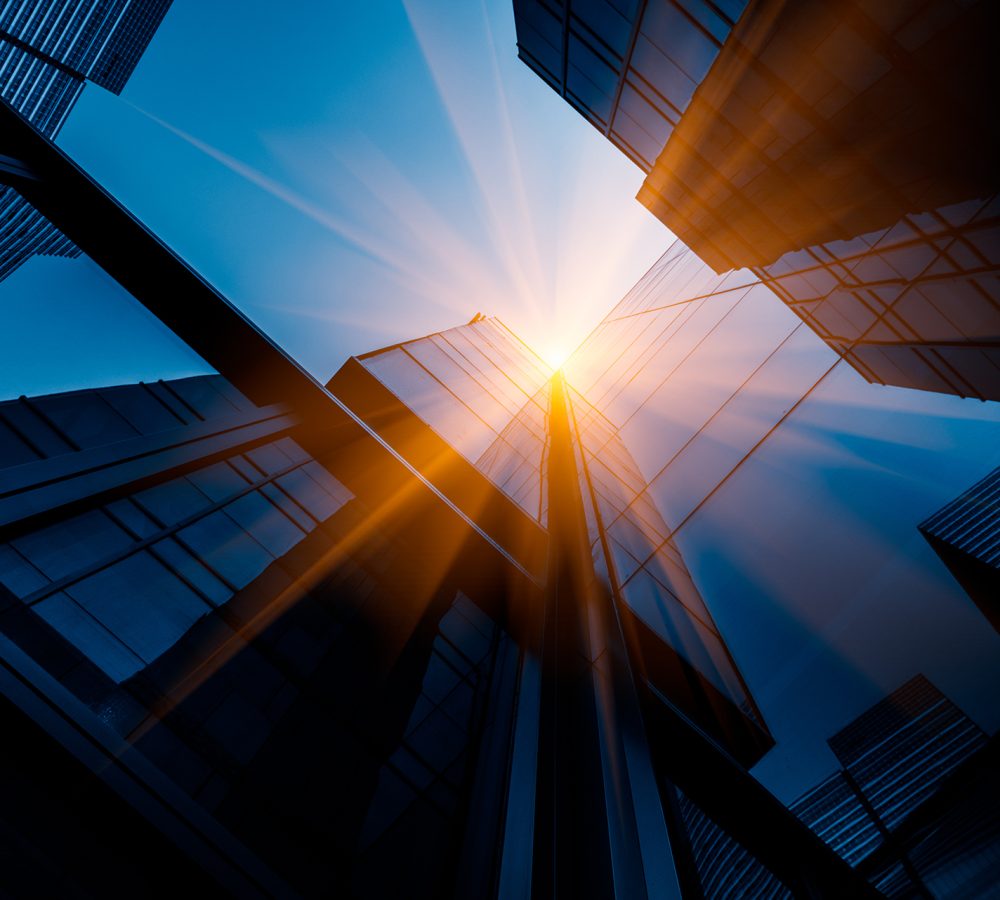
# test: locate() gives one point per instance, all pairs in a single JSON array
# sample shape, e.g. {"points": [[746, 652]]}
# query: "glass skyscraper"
{"points": [[837, 152], [48, 51], [966, 535], [912, 746], [457, 624]]}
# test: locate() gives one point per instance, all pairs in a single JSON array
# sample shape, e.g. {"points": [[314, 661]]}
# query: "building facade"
{"points": [[48, 52], [899, 809], [288, 658], [762, 451], [914, 806], [837, 153], [415, 632], [965, 535], [456, 625]]}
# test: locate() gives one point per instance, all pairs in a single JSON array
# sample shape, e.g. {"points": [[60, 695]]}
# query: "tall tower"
{"points": [[48, 51]]}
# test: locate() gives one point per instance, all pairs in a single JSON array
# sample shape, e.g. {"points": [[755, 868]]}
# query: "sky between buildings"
{"points": [[350, 175], [353, 175]]}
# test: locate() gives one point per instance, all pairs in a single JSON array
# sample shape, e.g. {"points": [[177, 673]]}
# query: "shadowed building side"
{"points": [[841, 151], [48, 51]]}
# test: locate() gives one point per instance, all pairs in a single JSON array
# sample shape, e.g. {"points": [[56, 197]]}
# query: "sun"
{"points": [[554, 354]]}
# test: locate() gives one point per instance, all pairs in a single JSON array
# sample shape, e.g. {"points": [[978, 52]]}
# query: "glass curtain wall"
{"points": [[264, 619], [482, 390], [793, 489]]}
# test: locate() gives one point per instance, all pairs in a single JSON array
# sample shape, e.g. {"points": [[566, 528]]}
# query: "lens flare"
{"points": [[554, 353]]}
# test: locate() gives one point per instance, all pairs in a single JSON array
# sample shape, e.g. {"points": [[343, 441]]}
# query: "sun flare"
{"points": [[555, 354]]}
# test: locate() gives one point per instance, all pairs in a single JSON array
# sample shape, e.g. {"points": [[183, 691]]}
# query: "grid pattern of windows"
{"points": [[725, 868], [717, 354], [901, 749], [789, 158], [225, 622], [195, 539], [97, 41], [629, 67], [826, 123], [833, 810], [124, 582], [896, 756], [100, 41], [971, 522], [24, 233], [913, 305], [485, 393]]}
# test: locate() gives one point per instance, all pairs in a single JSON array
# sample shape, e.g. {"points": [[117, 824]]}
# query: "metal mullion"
{"points": [[478, 377], [526, 359], [509, 357], [529, 355], [449, 390], [144, 543], [628, 340], [684, 359], [939, 253], [166, 564], [486, 375], [284, 493]]}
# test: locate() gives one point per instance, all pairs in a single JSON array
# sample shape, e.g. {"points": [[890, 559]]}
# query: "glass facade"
{"points": [[965, 535], [896, 756], [780, 476], [240, 618], [630, 68], [264, 629], [48, 51], [633, 551], [455, 624], [834, 152], [485, 393]]}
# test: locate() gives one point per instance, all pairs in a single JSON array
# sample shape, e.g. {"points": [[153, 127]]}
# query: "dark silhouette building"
{"points": [[966, 535], [914, 807], [446, 625], [48, 51]]}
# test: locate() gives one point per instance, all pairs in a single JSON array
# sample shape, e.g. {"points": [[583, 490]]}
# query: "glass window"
{"points": [[658, 608], [218, 482], [91, 638], [17, 574], [191, 570], [141, 603], [71, 545], [309, 494], [227, 548], [172, 501], [270, 527]]}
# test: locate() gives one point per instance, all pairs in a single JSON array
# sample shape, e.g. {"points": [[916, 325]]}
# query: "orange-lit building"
{"points": [[840, 151], [455, 625]]}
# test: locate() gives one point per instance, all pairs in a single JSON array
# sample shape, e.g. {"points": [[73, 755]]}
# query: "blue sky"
{"points": [[350, 175]]}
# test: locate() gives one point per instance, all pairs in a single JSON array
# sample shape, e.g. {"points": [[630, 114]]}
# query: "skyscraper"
{"points": [[896, 757], [418, 632], [48, 52], [454, 624], [965, 535], [838, 152], [914, 805]]}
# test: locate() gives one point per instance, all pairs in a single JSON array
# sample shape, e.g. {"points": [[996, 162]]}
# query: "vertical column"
{"points": [[599, 826]]}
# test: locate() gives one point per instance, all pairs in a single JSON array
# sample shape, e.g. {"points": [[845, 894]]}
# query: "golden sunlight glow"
{"points": [[554, 353]]}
